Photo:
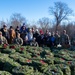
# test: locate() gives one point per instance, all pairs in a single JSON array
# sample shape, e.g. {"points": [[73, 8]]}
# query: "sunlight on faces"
{"points": [[30, 30], [24, 28], [64, 31], [53, 33], [33, 29], [47, 31], [56, 33]]}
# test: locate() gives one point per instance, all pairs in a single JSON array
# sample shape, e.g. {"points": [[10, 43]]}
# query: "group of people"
{"points": [[34, 37]]}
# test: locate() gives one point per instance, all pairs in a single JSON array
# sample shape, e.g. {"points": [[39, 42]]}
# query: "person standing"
{"points": [[23, 32], [65, 41], [29, 37], [53, 39], [57, 37], [41, 38], [17, 30], [12, 34], [36, 35], [46, 36]]}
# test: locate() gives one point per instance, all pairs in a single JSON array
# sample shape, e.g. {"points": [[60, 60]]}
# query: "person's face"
{"points": [[30, 30], [24, 28], [56, 33], [47, 32], [11, 28], [53, 33], [64, 32]]}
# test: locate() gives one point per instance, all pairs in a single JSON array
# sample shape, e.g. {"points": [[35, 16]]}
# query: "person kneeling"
{"points": [[34, 43], [18, 40], [3, 40]]}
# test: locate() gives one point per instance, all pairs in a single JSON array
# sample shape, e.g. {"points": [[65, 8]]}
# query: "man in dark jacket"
{"points": [[46, 36], [36, 35]]}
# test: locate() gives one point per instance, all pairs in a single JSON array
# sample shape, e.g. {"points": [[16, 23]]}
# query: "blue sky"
{"points": [[31, 9]]}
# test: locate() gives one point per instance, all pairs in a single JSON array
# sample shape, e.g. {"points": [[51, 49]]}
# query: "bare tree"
{"points": [[17, 20], [2, 23], [44, 23], [60, 11]]}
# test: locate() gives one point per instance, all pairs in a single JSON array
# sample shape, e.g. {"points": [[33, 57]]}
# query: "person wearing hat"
{"points": [[41, 38], [3, 40], [41, 32]]}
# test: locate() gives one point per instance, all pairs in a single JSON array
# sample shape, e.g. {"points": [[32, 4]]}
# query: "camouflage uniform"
{"points": [[3, 40], [34, 44], [64, 39], [18, 41]]}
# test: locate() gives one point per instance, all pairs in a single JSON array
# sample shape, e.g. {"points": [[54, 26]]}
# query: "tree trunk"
{"points": [[56, 28]]}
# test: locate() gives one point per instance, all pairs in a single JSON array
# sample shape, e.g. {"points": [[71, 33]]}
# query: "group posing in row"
{"points": [[34, 37]]}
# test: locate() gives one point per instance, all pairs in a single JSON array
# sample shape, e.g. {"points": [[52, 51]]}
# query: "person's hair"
{"points": [[4, 26], [64, 31], [11, 27], [17, 27]]}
